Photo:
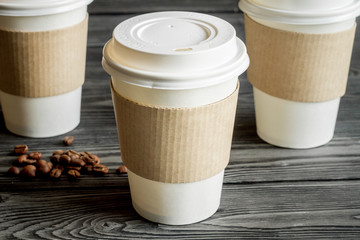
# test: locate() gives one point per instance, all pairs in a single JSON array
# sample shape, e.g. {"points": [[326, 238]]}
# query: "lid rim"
{"points": [[186, 81], [146, 58], [21, 10], [300, 17]]}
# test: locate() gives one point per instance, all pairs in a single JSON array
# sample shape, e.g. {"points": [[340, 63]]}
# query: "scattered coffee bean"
{"points": [[74, 168], [65, 159], [74, 173], [35, 155], [74, 157], [88, 168], [14, 171], [89, 158], [58, 152], [100, 169], [21, 159], [70, 162], [55, 173], [43, 167], [59, 166], [21, 149], [121, 169], [97, 159], [50, 164], [68, 140], [55, 159], [30, 161], [72, 153], [29, 171], [77, 162]]}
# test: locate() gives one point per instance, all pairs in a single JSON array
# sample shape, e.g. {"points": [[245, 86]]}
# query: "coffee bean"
{"points": [[14, 171], [43, 167], [35, 155], [100, 169], [56, 171], [85, 157], [74, 157], [74, 173], [55, 159], [58, 152], [88, 168], [59, 167], [72, 152], [65, 159], [30, 161], [74, 168], [21, 159], [68, 140], [29, 171], [97, 159], [121, 169], [50, 164], [89, 158], [21, 149], [77, 162]]}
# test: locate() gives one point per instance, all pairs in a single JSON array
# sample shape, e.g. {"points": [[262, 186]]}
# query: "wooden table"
{"points": [[268, 192]]}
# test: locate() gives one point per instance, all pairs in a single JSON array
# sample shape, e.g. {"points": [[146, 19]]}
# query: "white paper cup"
{"points": [[293, 124], [176, 204], [42, 116], [151, 62]]}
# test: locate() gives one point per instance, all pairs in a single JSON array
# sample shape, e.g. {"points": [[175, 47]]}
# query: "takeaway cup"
{"points": [[168, 70], [287, 121], [42, 65]]}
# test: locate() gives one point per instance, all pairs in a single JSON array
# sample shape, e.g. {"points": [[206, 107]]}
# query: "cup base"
{"points": [[294, 144], [169, 220], [41, 117], [25, 132], [297, 125], [175, 203]]}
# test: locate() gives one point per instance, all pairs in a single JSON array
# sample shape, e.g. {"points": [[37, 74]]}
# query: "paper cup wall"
{"points": [[42, 65], [175, 85], [298, 117]]}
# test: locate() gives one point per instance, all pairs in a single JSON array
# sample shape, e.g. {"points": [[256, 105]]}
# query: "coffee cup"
{"points": [[42, 65], [174, 79], [299, 71]]}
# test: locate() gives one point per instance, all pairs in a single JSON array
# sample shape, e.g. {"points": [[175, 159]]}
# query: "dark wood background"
{"points": [[268, 193]]}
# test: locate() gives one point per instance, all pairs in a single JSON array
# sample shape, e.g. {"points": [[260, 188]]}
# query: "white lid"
{"points": [[309, 12], [175, 50], [39, 7]]}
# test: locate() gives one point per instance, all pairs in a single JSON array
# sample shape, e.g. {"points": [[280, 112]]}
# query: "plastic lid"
{"points": [[305, 14], [38, 7], [175, 50]]}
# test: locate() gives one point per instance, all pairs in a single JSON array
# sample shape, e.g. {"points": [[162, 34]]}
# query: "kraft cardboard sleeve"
{"points": [[42, 64], [175, 145], [297, 66]]}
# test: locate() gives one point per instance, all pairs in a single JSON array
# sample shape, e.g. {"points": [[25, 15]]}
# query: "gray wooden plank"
{"points": [[266, 211], [131, 6]]}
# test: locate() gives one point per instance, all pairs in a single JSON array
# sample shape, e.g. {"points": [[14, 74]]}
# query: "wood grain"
{"points": [[130, 6], [280, 211], [269, 192]]}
